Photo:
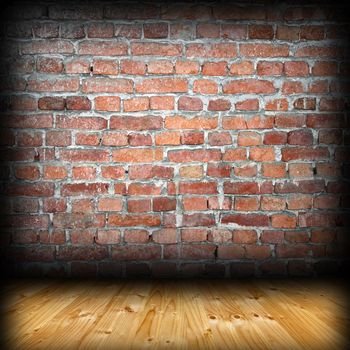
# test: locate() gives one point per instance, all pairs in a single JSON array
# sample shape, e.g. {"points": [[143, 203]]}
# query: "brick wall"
{"points": [[174, 139]]}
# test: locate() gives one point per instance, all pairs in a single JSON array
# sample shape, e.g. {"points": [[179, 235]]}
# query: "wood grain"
{"points": [[205, 314]]}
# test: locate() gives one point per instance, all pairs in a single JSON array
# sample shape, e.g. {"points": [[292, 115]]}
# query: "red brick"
{"points": [[312, 32], [264, 50], [269, 236], [260, 31], [134, 220], [112, 172], [78, 220], [292, 251], [244, 236], [84, 172], [155, 49], [78, 189], [168, 138], [70, 30], [83, 155], [246, 203], [234, 154], [139, 140], [230, 252], [105, 67], [136, 104], [269, 68], [193, 220], [273, 203], [58, 138], [248, 105], [136, 236], [27, 172], [262, 154], [325, 68], [164, 204], [245, 170], [300, 170], [49, 65], [136, 123], [77, 66], [108, 237], [129, 155], [275, 138], [299, 201], [258, 252], [139, 205], [28, 139], [220, 236], [249, 86], [160, 67], [52, 172], [292, 87], [326, 201], [296, 69], [102, 48], [91, 123], [296, 236], [191, 171], [246, 219], [283, 221], [195, 203], [90, 139], [155, 30], [162, 85], [305, 103], [51, 103], [280, 104], [78, 103], [192, 138], [205, 86], [100, 30], [215, 50], [132, 67], [107, 103], [130, 31], [136, 252], [197, 251], [248, 138], [214, 68], [304, 153], [208, 30], [220, 139], [193, 235], [164, 236], [242, 68], [300, 137], [187, 67], [194, 155], [218, 170], [118, 85], [162, 102], [320, 51], [322, 236], [197, 188], [190, 103], [144, 189], [287, 32], [274, 170], [233, 31], [219, 105]]}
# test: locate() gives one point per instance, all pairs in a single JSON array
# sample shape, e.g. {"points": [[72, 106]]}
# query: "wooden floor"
{"points": [[210, 314]]}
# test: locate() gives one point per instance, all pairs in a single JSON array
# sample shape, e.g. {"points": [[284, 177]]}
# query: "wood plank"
{"points": [[186, 315]]}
